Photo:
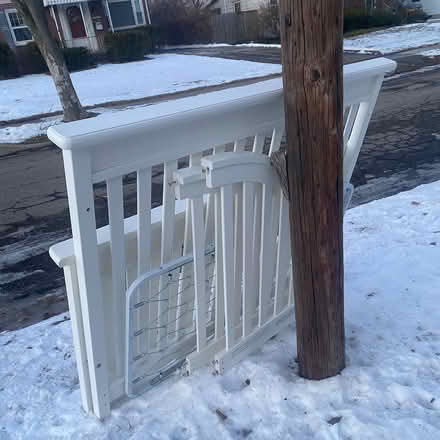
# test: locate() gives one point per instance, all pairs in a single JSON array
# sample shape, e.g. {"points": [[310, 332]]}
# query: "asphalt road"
{"points": [[401, 152]]}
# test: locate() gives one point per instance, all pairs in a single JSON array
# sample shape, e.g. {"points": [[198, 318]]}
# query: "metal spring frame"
{"points": [[188, 343]]}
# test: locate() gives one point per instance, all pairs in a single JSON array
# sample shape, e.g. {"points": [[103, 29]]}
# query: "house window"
{"points": [[20, 32], [125, 13], [237, 7]]}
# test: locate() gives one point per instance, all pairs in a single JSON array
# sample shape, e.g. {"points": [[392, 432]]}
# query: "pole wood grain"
{"points": [[312, 55]]}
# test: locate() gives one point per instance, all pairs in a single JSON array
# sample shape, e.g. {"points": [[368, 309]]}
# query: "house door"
{"points": [[76, 22]]}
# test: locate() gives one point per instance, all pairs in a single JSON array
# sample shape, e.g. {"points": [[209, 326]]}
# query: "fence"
{"points": [[148, 292], [234, 28]]}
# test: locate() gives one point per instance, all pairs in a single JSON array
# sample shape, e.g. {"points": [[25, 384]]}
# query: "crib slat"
{"points": [[258, 143], [349, 123], [143, 249], [238, 252], [168, 225], [183, 316], [256, 246], [117, 246], [219, 279], [275, 219], [199, 271], [210, 208], [265, 254], [283, 259], [250, 294], [277, 136], [194, 160], [239, 145], [228, 261]]}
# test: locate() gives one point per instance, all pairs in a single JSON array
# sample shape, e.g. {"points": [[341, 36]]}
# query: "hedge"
{"points": [[355, 19], [8, 62], [78, 58], [30, 59], [122, 47]]}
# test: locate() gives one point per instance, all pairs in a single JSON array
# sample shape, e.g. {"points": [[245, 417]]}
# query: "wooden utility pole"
{"points": [[312, 55]]}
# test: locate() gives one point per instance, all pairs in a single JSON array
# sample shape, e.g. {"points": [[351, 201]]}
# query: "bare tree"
{"points": [[34, 16]]}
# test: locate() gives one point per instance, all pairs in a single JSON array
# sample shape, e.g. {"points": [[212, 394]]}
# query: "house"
{"points": [[76, 23], [237, 6]]}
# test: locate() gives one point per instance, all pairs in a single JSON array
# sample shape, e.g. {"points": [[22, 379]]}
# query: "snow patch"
{"points": [[395, 39], [431, 53], [162, 74], [389, 389]]}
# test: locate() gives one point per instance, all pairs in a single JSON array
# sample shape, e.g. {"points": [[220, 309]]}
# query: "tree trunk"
{"points": [[312, 54], [33, 13]]}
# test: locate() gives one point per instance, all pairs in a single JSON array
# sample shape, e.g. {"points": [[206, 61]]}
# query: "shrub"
{"points": [[31, 60], [417, 16], [179, 22], [78, 58], [122, 47], [355, 19], [8, 62]]}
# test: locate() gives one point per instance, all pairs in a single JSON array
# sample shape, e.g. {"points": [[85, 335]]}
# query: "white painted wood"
{"points": [[166, 249], [117, 246], [265, 255], [254, 109], [79, 343], [206, 356], [199, 270], [239, 145], [352, 114], [184, 318], [275, 218], [228, 262], [277, 136], [283, 259], [250, 294], [78, 172], [238, 252], [94, 154], [359, 130], [258, 143], [219, 276], [228, 358], [256, 240], [291, 290], [144, 252]]}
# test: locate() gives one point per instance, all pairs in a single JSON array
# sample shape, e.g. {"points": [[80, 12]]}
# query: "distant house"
{"points": [[76, 23], [238, 6]]}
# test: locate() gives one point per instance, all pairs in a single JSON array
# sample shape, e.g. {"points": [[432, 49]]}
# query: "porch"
{"points": [[83, 23]]}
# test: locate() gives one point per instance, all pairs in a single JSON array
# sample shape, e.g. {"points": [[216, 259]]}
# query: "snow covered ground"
{"points": [[395, 39], [389, 390], [431, 53], [35, 94], [387, 41]]}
